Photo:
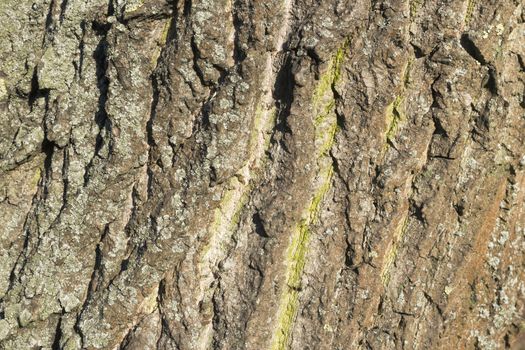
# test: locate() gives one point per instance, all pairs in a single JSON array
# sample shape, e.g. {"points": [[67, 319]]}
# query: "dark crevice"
{"points": [[100, 29], [154, 228], [438, 127], [217, 323], [259, 225], [81, 48], [124, 265], [111, 8], [350, 257], [149, 129], [432, 302], [337, 170], [96, 276], [283, 95], [437, 156], [153, 111], [35, 92], [437, 97], [239, 54], [418, 52], [58, 336], [65, 181], [416, 211], [48, 36], [20, 261], [404, 313], [491, 83], [392, 145], [100, 56], [134, 210], [98, 272], [472, 49], [187, 8], [48, 148], [310, 52], [63, 8], [223, 75], [340, 117], [173, 33], [459, 208], [196, 67]]}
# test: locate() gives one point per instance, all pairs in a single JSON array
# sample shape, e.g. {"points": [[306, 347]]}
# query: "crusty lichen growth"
{"points": [[262, 123], [325, 122], [3, 89]]}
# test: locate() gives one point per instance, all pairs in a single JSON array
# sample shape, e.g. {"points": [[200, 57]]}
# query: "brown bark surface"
{"points": [[244, 174]]}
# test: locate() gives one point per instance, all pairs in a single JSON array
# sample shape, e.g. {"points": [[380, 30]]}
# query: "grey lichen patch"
{"points": [[133, 5], [3, 90], [55, 71], [4, 329], [24, 318]]}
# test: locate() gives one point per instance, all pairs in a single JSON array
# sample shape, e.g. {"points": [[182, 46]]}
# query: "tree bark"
{"points": [[279, 174]]}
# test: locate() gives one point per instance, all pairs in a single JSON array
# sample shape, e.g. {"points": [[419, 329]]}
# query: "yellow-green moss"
{"points": [[165, 31], [395, 112], [323, 102], [328, 79], [471, 4], [391, 255], [328, 108], [227, 214], [161, 43], [326, 146], [415, 5], [394, 115], [36, 178], [325, 123], [296, 258]]}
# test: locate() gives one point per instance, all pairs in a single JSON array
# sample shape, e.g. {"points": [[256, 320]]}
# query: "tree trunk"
{"points": [[278, 174]]}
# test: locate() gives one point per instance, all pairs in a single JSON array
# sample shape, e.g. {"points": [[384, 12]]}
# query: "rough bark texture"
{"points": [[278, 174]]}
